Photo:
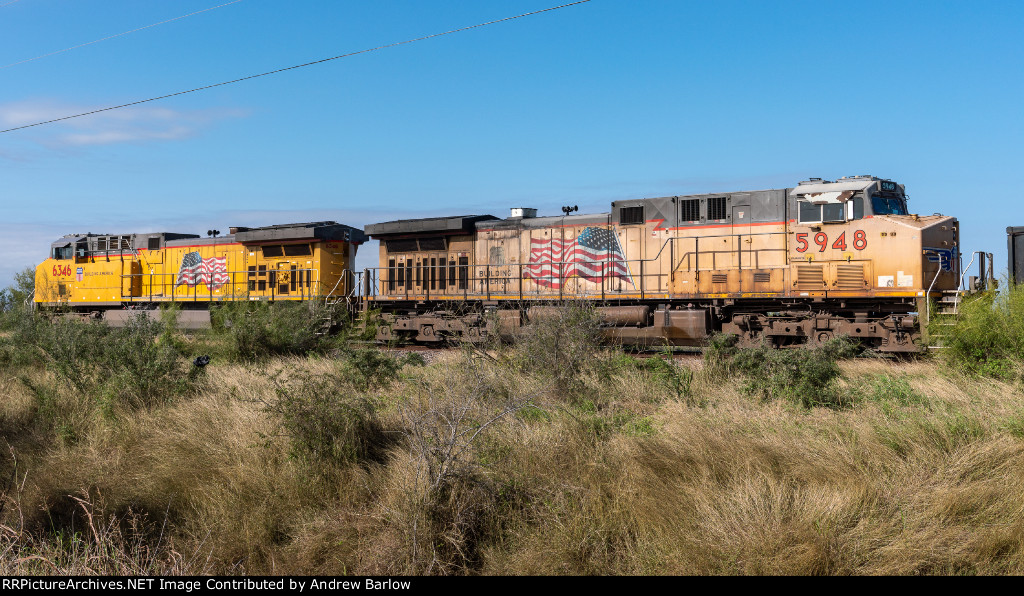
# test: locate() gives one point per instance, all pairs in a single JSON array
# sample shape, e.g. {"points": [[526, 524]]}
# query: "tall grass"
{"points": [[803, 376], [257, 330], [346, 461]]}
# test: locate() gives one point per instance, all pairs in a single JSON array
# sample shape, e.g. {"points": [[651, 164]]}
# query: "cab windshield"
{"points": [[888, 205]]}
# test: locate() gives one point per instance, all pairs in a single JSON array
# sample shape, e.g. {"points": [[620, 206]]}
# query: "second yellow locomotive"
{"points": [[111, 275]]}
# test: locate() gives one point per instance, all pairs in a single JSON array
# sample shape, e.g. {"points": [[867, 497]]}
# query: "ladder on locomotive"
{"points": [[352, 302], [945, 312], [942, 316]]}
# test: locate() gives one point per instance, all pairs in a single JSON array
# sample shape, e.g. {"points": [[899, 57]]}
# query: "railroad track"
{"points": [[432, 352]]}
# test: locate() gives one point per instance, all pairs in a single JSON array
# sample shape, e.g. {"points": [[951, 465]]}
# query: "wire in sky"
{"points": [[8, 3], [263, 74], [82, 45]]}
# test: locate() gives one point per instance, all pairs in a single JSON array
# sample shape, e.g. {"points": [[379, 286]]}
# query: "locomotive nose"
{"points": [[941, 240], [940, 249]]}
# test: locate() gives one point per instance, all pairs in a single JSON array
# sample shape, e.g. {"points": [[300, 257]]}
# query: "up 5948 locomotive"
{"points": [[786, 266]]}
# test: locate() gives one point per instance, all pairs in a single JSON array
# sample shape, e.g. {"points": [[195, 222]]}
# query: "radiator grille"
{"points": [[762, 277], [810, 277], [719, 278], [850, 277]]}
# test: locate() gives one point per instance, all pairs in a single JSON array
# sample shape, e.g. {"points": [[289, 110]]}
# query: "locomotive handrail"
{"points": [[404, 287], [236, 290]]}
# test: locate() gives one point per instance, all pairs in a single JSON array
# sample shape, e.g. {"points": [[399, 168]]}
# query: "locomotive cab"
{"points": [[863, 223]]}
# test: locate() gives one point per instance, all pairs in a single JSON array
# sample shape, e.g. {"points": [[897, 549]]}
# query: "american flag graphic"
{"points": [[196, 270], [594, 255]]}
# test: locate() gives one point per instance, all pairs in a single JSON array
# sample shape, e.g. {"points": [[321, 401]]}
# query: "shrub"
{"points": [[449, 506], [802, 376], [326, 424], [561, 344], [366, 368], [259, 329], [145, 365], [19, 295], [98, 369], [988, 335]]}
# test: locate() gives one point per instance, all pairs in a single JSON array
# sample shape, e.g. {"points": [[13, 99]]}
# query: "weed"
{"points": [[326, 424], [802, 376], [561, 343], [257, 329], [1014, 424], [888, 389], [988, 336]]}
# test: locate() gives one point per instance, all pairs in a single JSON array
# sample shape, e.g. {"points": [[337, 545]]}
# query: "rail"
{"points": [[295, 284]]}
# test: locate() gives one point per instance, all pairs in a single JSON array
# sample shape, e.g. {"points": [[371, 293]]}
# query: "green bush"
{"points": [[804, 376], [367, 368], [19, 295], [327, 424], [562, 344], [145, 365], [96, 370], [258, 329], [988, 335]]}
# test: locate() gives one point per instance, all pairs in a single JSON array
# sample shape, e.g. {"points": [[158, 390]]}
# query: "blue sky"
{"points": [[584, 105]]}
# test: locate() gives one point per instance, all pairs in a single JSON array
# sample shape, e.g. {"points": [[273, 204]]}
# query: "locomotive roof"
{"points": [[324, 230], [827, 187], [546, 221], [68, 239], [193, 240], [429, 225]]}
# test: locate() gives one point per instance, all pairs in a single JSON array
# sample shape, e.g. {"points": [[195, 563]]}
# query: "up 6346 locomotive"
{"points": [[786, 266], [112, 276]]}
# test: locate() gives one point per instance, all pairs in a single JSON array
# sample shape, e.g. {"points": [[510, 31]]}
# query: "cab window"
{"points": [[833, 212], [888, 205], [809, 212], [825, 212]]}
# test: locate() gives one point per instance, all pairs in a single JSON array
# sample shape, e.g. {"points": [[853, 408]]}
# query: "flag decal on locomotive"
{"points": [[594, 255], [196, 270]]}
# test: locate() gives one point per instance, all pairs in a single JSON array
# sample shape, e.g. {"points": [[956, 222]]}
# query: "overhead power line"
{"points": [[263, 74], [89, 43], [9, 3]]}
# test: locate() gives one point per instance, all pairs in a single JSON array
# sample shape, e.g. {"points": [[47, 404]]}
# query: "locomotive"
{"points": [[792, 266], [111, 276]]}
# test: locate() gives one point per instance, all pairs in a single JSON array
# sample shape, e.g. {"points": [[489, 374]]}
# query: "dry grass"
{"points": [[630, 474]]}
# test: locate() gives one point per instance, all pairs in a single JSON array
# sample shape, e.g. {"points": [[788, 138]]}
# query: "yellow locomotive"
{"points": [[110, 275], [787, 266]]}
